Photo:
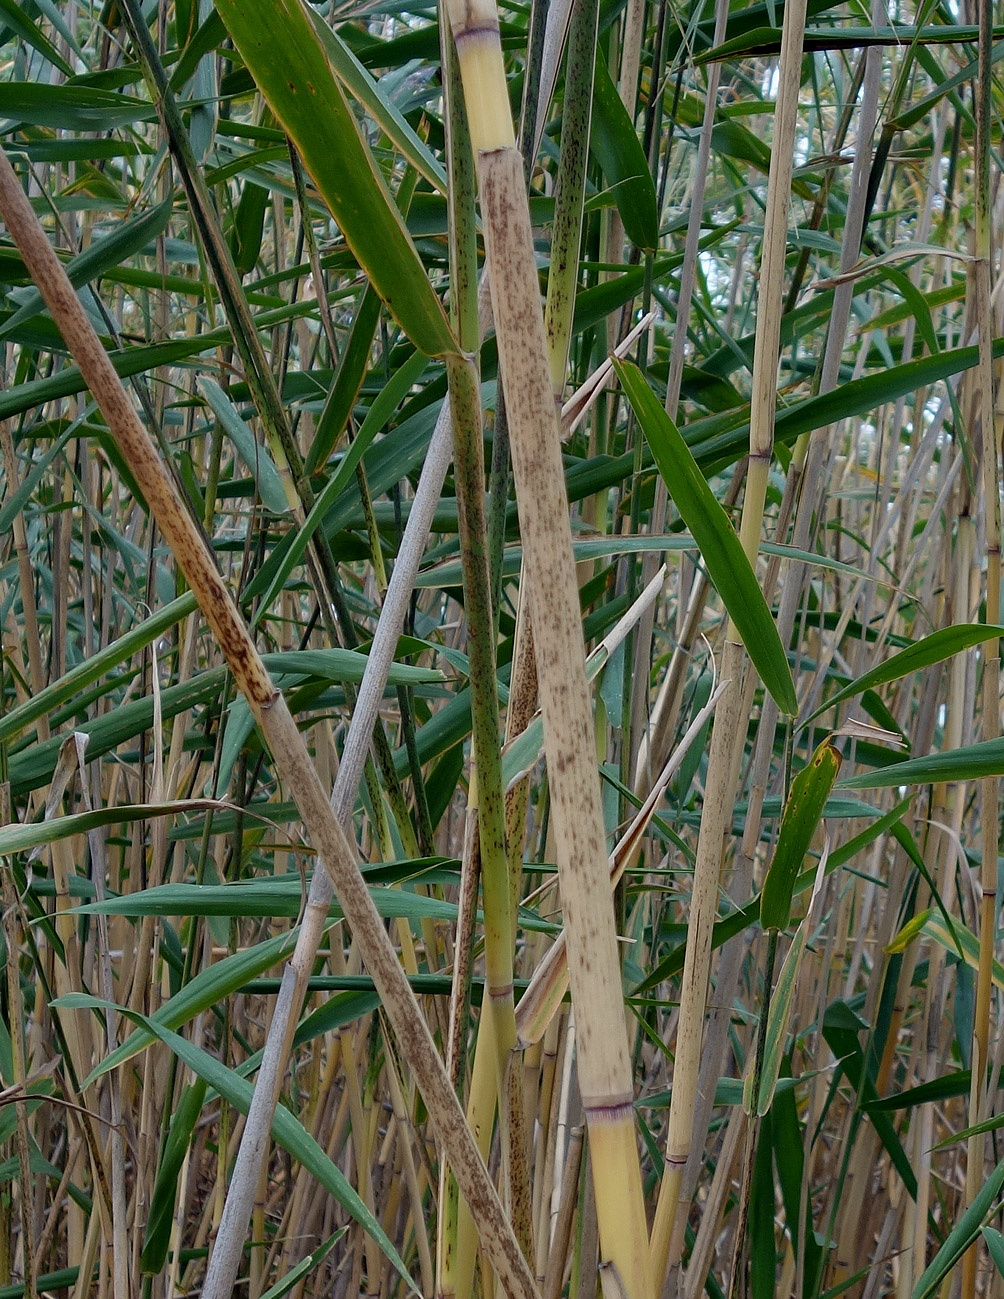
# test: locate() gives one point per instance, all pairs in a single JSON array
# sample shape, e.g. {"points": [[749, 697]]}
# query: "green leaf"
{"points": [[972, 762], [295, 1275], [209, 987], [737, 921], [24, 836], [777, 1026], [13, 16], [104, 254], [937, 647], [361, 86], [962, 1235], [614, 144], [710, 527], [379, 413], [995, 1247], [255, 457], [157, 1236], [803, 811], [954, 936], [119, 651], [71, 107], [279, 895], [281, 50]]}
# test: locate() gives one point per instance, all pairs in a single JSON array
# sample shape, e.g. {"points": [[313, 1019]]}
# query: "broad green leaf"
{"points": [[972, 762], [209, 987], [74, 681], [348, 380], [33, 765], [377, 416], [286, 1128], [157, 1235], [956, 1082], [743, 917], [256, 458], [614, 143], [342, 665], [765, 41], [71, 107], [14, 502], [361, 86], [937, 647], [962, 1235], [803, 810], [842, 1037], [995, 1247], [272, 896], [449, 573], [710, 527], [281, 50], [728, 1091], [992, 1124], [109, 251], [24, 836]]}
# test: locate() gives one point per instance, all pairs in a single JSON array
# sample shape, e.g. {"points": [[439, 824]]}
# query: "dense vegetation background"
{"points": [[785, 221]]}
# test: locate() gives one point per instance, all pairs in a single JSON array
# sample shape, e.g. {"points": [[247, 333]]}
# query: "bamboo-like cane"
{"points": [[729, 726], [544, 994], [277, 726], [22, 1139], [989, 790], [604, 1063]]}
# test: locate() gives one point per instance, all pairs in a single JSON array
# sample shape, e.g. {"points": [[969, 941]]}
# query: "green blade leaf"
{"points": [[937, 647], [962, 1235], [710, 527], [361, 86], [615, 145], [777, 1026], [995, 1246], [104, 254], [281, 50], [972, 762], [802, 813], [97, 665], [255, 457], [13, 16], [71, 107], [157, 1236]]}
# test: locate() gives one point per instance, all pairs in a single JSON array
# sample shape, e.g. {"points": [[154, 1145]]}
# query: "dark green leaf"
{"points": [[710, 527]]}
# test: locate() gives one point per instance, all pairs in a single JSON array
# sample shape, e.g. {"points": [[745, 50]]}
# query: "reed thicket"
{"points": [[477, 816]]}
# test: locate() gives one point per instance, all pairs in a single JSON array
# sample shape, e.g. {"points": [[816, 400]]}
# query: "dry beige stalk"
{"points": [[604, 1063], [277, 726]]}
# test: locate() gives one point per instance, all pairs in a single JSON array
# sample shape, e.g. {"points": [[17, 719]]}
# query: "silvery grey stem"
{"points": [[226, 1256]]}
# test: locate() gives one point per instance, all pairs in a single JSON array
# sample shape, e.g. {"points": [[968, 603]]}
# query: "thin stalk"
{"points": [[470, 478], [989, 788], [284, 740], [22, 1138], [729, 727], [604, 1063], [558, 1245], [570, 188], [737, 1284]]}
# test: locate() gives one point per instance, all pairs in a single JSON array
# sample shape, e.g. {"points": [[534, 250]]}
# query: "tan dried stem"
{"points": [[279, 729]]}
